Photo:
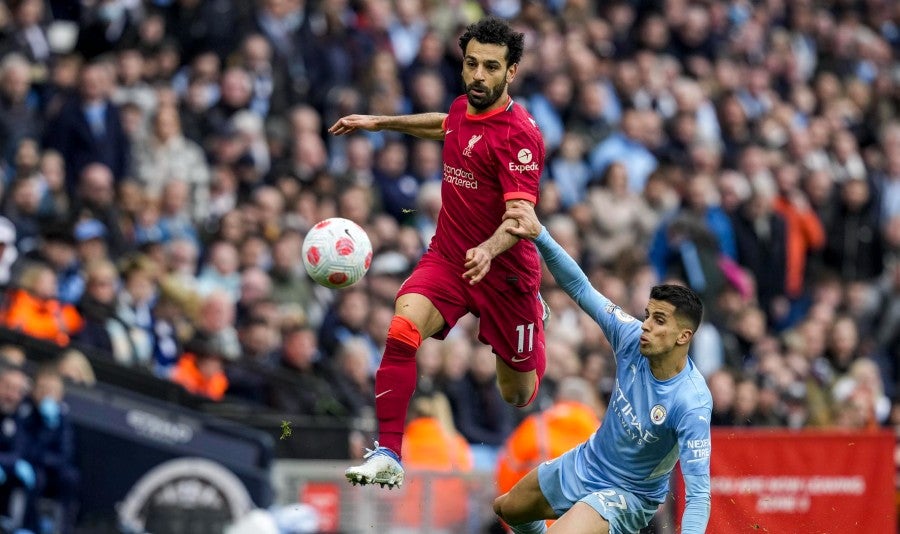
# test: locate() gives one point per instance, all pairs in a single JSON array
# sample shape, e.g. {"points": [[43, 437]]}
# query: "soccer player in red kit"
{"points": [[493, 155]]}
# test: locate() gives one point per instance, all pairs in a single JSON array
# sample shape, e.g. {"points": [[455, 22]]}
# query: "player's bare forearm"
{"points": [[424, 125], [478, 259], [501, 240]]}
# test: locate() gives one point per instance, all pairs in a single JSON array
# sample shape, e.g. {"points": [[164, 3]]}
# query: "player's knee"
{"points": [[515, 396], [518, 394], [498, 506], [404, 330]]}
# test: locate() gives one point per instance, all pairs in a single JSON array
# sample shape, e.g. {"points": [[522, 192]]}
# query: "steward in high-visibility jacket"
{"points": [[548, 434]]}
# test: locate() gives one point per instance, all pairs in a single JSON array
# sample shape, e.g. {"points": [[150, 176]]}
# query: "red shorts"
{"points": [[510, 316]]}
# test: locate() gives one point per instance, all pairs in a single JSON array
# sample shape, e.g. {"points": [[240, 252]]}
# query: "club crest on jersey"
{"points": [[658, 414], [468, 150]]}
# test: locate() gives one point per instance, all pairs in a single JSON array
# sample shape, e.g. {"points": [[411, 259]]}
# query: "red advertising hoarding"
{"points": [[809, 482]]}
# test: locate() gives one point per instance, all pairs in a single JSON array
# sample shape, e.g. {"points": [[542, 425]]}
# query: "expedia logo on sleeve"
{"points": [[525, 164]]}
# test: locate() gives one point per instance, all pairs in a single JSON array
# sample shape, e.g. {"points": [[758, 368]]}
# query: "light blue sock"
{"points": [[535, 527]]}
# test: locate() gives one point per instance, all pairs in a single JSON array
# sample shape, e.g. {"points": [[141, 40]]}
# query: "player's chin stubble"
{"points": [[487, 100]]}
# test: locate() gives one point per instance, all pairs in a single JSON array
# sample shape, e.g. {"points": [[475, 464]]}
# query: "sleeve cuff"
{"points": [[520, 195]]}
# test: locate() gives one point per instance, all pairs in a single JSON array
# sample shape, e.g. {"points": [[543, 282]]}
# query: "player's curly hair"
{"points": [[493, 30]]}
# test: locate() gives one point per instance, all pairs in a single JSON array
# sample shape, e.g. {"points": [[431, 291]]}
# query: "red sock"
{"points": [[395, 382]]}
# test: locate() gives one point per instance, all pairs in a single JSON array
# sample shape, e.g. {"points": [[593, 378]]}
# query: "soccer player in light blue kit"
{"points": [[658, 414]]}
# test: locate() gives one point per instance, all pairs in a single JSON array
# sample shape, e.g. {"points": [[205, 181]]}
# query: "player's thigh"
{"points": [[433, 297], [524, 502], [623, 511], [511, 323], [580, 519], [421, 311]]}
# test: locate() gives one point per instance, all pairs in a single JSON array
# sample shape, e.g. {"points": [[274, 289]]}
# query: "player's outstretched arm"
{"points": [[565, 270], [424, 125]]}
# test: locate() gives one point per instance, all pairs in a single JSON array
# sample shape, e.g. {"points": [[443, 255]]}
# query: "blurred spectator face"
{"points": [[130, 65], [97, 185], [354, 309], [305, 119], [255, 285], [855, 193], [12, 355], [392, 159], [631, 124], [654, 33], [746, 399], [47, 385], [44, 285], [224, 258], [236, 88], [53, 169], [286, 252], [483, 365], [167, 124], [13, 387], [428, 359], [426, 159], [231, 226], [355, 204], [182, 256], [29, 13], [428, 91], [722, 388], [299, 348], [95, 83], [15, 78], [102, 282], [257, 54], [258, 339], [254, 253], [216, 313], [175, 199], [456, 354], [843, 339], [819, 186], [616, 178], [359, 154], [58, 252], [353, 356], [140, 285]]}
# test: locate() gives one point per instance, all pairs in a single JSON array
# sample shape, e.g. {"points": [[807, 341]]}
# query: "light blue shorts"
{"points": [[625, 512]]}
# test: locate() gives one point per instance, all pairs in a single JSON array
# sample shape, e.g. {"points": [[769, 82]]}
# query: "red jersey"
{"points": [[488, 159]]}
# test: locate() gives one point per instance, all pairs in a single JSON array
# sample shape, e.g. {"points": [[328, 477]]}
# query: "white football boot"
{"points": [[381, 466]]}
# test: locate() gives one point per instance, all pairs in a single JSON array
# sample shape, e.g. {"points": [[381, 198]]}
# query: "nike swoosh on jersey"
{"points": [[448, 131], [383, 393], [519, 360]]}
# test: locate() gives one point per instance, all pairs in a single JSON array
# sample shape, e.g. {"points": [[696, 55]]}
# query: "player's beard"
{"points": [[486, 100]]}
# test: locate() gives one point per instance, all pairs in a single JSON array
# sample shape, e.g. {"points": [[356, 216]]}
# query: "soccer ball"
{"points": [[337, 253]]}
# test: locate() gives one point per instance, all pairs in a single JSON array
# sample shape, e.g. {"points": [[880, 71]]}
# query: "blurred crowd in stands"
{"points": [[162, 160]]}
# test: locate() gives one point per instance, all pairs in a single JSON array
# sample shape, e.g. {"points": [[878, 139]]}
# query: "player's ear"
{"points": [[684, 337], [511, 72]]}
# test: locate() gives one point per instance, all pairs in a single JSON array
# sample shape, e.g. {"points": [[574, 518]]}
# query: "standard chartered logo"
{"points": [[459, 177]]}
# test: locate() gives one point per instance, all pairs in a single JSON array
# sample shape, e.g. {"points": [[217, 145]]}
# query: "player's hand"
{"points": [[478, 263], [529, 227], [351, 123]]}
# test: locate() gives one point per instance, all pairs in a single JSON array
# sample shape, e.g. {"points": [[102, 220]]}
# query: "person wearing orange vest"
{"points": [[545, 435], [432, 446], [33, 308], [202, 373]]}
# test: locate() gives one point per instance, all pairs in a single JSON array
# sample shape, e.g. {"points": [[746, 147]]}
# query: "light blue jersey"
{"points": [[650, 424]]}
